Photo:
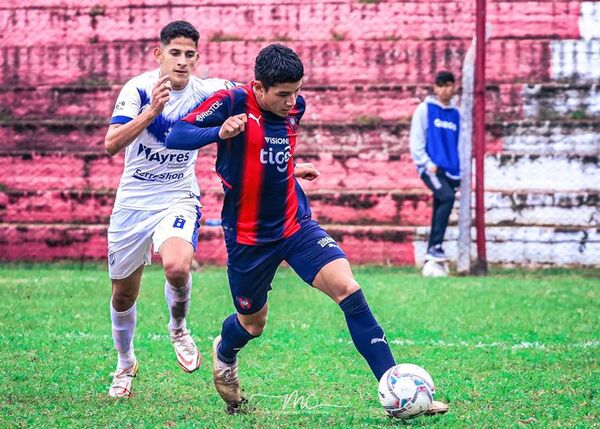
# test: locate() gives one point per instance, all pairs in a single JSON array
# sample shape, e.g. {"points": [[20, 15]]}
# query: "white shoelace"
{"points": [[184, 340]]}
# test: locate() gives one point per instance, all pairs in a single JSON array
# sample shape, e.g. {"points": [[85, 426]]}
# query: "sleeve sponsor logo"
{"points": [[119, 106], [212, 109]]}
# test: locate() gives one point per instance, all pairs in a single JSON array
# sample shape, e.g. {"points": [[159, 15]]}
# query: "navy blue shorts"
{"points": [[251, 268]]}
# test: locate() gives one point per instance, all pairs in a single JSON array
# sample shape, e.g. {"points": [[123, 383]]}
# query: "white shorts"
{"points": [[131, 233]]}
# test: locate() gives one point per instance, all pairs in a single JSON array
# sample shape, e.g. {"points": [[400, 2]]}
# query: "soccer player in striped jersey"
{"points": [[158, 200], [266, 216]]}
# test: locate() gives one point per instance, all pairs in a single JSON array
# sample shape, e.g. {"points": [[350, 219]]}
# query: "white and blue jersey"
{"points": [[434, 135], [155, 177]]}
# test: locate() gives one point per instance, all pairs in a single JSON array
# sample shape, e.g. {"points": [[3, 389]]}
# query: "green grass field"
{"points": [[515, 349]]}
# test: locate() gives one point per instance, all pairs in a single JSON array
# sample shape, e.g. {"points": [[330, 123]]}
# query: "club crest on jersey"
{"points": [[293, 123], [244, 302]]}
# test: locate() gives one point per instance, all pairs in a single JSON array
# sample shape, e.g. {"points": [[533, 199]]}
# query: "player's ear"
{"points": [[157, 54], [259, 86]]}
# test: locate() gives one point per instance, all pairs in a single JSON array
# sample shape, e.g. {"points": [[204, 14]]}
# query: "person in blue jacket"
{"points": [[434, 134]]}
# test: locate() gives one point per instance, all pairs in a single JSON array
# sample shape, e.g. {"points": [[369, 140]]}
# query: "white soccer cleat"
{"points": [[188, 356], [226, 381], [122, 379], [437, 407]]}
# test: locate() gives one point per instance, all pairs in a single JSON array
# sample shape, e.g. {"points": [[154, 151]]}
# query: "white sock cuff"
{"points": [[122, 313], [180, 293]]}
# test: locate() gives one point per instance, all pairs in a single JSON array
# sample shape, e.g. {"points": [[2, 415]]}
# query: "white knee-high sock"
{"points": [[178, 300], [123, 328]]}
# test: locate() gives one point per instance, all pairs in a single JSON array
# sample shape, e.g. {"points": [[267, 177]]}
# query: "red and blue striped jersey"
{"points": [[263, 200]]}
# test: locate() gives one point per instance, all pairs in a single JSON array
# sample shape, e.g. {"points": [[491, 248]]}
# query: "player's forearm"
{"points": [[185, 136], [120, 137]]}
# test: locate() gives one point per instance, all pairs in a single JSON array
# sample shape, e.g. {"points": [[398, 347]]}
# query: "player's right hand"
{"points": [[233, 126], [160, 94]]}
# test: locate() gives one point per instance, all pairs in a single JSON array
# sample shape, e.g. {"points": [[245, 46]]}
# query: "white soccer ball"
{"points": [[406, 391], [435, 269]]}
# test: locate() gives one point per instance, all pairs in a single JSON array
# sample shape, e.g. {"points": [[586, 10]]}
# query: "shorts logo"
{"points": [[244, 302], [179, 222], [111, 258], [327, 241]]}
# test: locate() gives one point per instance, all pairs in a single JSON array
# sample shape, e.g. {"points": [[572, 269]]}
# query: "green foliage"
{"points": [[338, 37], [578, 115], [282, 38], [514, 348], [97, 10], [220, 36], [368, 120]]}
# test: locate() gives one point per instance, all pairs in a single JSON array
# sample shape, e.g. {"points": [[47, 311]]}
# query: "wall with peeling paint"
{"points": [[368, 65]]}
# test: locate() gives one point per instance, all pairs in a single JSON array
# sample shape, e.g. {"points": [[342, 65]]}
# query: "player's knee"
{"points": [[123, 300], [176, 272], [255, 327], [345, 289]]}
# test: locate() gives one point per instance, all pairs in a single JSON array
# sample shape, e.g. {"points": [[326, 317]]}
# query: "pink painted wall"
{"points": [[368, 65]]}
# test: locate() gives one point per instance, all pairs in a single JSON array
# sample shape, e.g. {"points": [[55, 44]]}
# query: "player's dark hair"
{"points": [[277, 64], [443, 77], [178, 29]]}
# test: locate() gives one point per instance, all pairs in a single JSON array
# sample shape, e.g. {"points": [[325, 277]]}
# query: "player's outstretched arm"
{"points": [[185, 136], [120, 136], [208, 123], [306, 171]]}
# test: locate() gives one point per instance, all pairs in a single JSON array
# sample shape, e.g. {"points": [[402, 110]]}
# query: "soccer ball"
{"points": [[406, 391], [435, 269]]}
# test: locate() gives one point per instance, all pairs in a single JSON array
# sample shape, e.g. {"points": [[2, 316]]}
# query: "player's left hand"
{"points": [[306, 171], [233, 126]]}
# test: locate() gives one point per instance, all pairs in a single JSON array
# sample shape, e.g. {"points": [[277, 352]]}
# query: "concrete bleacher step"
{"points": [[369, 136], [92, 22], [519, 245], [326, 62], [358, 104], [350, 208]]}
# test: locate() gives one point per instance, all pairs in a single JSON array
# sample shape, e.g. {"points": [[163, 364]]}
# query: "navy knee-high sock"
{"points": [[367, 335], [233, 338]]}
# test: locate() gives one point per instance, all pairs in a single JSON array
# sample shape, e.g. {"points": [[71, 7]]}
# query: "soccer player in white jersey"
{"points": [[158, 201]]}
